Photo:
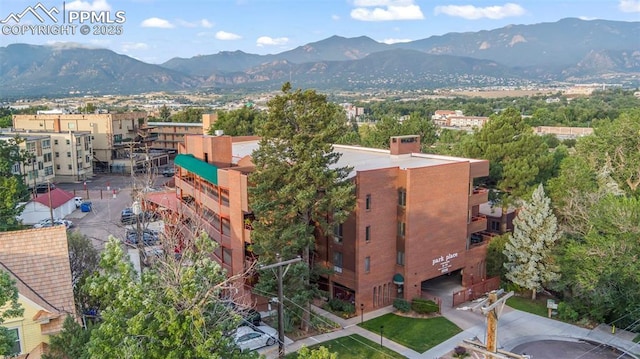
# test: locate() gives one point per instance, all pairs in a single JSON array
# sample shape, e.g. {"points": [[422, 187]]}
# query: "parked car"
{"points": [[254, 338], [43, 188], [56, 222], [127, 216], [78, 201], [168, 171], [149, 237], [249, 316]]}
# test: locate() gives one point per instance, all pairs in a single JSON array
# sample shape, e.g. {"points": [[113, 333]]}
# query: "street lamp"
{"points": [[361, 313], [381, 328]]}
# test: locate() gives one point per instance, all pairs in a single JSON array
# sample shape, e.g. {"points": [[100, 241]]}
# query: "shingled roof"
{"points": [[38, 259]]}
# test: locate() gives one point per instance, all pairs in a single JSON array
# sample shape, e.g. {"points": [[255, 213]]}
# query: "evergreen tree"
{"points": [[298, 191], [529, 249]]}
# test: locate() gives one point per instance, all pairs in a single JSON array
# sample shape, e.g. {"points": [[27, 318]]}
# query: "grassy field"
{"points": [[354, 347], [419, 334], [538, 307]]}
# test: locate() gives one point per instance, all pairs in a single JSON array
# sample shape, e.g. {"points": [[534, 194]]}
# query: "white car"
{"points": [[251, 338], [56, 222]]}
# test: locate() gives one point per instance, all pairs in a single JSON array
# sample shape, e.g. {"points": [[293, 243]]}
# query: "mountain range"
{"points": [[570, 50]]}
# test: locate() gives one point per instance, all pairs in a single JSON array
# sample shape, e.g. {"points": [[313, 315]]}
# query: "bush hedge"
{"points": [[424, 306]]}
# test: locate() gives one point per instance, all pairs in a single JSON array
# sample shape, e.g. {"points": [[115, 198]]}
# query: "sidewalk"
{"points": [[515, 328]]}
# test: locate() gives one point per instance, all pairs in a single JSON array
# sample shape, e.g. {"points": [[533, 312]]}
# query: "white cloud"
{"points": [[335, 17], [471, 12], [96, 5], [586, 18], [157, 22], [206, 23], [629, 5], [129, 46], [399, 11], [395, 41], [271, 41], [223, 35]]}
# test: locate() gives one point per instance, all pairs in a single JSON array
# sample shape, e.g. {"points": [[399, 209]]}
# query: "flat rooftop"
{"points": [[364, 158]]}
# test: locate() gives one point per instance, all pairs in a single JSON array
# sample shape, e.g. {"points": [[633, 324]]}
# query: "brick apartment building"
{"points": [[414, 218]]}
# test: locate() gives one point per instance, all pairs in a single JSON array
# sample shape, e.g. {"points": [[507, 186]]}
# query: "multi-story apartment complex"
{"points": [[39, 166], [59, 156], [448, 118], [111, 134], [414, 218]]}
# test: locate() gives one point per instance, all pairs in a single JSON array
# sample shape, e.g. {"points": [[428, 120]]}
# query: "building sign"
{"points": [[444, 262]]}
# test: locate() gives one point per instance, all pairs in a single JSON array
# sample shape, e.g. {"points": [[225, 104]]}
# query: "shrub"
{"points": [[401, 305], [565, 312], [423, 306], [460, 352]]}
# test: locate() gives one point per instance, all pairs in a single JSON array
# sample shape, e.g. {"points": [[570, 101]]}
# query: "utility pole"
{"points": [[279, 266], [50, 204], [491, 307]]}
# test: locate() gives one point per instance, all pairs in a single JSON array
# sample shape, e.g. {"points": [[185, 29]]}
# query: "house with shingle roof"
{"points": [[58, 201], [38, 261]]}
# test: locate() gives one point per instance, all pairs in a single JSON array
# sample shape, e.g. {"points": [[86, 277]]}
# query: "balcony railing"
{"points": [[477, 223], [478, 196]]}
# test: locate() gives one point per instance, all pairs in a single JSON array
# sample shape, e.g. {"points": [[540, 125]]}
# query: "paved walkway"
{"points": [[515, 327]]}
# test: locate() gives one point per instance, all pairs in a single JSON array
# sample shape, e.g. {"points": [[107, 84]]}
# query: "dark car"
{"points": [[149, 237], [127, 216], [43, 188], [249, 316]]}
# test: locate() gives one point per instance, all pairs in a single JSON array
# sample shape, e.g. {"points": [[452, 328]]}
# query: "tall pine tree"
{"points": [[529, 248], [298, 191]]}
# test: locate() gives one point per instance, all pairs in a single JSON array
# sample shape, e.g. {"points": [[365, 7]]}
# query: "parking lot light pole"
{"points": [[381, 328], [361, 313]]}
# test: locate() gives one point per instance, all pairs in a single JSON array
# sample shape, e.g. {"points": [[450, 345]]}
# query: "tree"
{"points": [[165, 113], [518, 159], [190, 114], [317, 353], [172, 310], [71, 342], [83, 259], [529, 249], [298, 191], [9, 308], [241, 122]]}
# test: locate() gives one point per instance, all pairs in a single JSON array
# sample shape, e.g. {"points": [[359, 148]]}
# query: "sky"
{"points": [[155, 31]]}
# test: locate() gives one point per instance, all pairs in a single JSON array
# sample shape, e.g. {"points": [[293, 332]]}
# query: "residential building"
{"points": [[38, 261], [72, 154], [456, 119], [168, 135], [114, 136], [39, 166], [414, 218], [562, 132]]}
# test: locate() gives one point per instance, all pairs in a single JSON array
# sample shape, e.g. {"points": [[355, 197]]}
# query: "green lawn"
{"points": [[525, 304], [637, 338], [416, 333], [354, 347]]}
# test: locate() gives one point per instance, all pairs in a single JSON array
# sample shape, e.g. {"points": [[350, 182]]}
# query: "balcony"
{"points": [[477, 223], [478, 196]]}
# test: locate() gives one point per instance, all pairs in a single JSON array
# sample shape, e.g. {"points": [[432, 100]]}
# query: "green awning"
{"points": [[398, 279], [205, 170]]}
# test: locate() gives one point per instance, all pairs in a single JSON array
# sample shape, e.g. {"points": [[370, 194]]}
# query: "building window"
{"points": [[367, 264], [55, 142], [226, 226], [69, 167], [46, 144], [367, 233], [47, 157], [400, 258], [402, 197], [495, 226], [57, 167], [68, 142], [226, 256], [367, 202], [57, 154], [68, 154], [337, 233], [88, 159], [15, 348], [401, 229], [337, 262], [40, 165], [48, 171]]}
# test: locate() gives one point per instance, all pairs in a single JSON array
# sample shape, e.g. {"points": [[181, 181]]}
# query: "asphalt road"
{"points": [[555, 349]]}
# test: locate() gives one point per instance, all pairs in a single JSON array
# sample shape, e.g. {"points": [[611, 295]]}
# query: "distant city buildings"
{"points": [[448, 118]]}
